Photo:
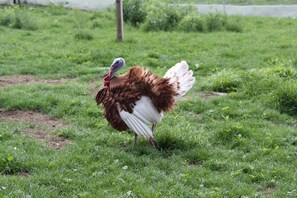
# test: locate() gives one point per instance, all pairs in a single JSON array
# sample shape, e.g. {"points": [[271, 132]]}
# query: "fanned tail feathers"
{"points": [[182, 77]]}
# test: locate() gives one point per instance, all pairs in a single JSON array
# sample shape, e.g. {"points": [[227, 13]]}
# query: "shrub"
{"points": [[162, 17], [155, 20], [159, 16], [215, 22], [134, 11], [192, 23]]}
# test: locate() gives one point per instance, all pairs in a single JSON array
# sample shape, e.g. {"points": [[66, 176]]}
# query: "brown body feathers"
{"points": [[128, 88]]}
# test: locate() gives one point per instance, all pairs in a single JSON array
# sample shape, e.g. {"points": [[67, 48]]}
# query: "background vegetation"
{"points": [[238, 2], [239, 145], [156, 15]]}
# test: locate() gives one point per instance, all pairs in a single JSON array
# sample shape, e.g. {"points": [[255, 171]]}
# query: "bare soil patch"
{"points": [[211, 95], [267, 191], [38, 126], [25, 79], [95, 85]]}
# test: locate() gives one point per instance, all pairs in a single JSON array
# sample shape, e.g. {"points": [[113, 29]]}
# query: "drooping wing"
{"points": [[144, 113]]}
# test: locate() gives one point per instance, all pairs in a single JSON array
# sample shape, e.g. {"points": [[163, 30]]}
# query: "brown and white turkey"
{"points": [[139, 98]]}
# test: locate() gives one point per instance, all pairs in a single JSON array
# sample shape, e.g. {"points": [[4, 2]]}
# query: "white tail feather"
{"points": [[181, 75]]}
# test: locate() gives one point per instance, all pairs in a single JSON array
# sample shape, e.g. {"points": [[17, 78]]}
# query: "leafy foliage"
{"points": [[134, 11], [160, 16], [192, 23]]}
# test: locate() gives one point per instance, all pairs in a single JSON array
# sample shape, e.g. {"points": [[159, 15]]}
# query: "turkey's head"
{"points": [[117, 64]]}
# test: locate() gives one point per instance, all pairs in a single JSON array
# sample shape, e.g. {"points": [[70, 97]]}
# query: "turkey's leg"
{"points": [[151, 139], [135, 140]]}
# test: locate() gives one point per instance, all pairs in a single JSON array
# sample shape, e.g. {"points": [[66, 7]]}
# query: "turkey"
{"points": [[139, 98]]}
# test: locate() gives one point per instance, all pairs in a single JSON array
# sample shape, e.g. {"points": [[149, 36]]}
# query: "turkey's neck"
{"points": [[107, 80], [115, 81]]}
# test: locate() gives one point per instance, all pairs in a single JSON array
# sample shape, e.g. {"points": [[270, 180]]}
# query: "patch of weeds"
{"points": [[196, 106], [9, 165], [286, 98], [83, 35], [192, 23], [294, 142], [216, 165], [67, 133], [32, 126], [224, 81], [231, 135], [282, 68], [295, 63], [97, 24], [197, 156], [57, 10], [256, 82], [152, 62], [234, 25], [4, 135], [17, 18]]}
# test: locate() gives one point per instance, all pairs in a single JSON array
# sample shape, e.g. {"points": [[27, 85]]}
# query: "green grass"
{"points": [[239, 145]]}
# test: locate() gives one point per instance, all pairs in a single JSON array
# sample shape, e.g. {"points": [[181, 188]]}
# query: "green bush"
{"points": [[155, 20], [162, 17], [192, 23], [215, 22], [134, 11], [154, 15]]}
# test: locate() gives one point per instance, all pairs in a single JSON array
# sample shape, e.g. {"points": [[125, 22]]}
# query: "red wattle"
{"points": [[107, 80]]}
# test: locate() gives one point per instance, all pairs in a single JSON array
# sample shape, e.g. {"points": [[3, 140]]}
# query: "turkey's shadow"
{"points": [[165, 145]]}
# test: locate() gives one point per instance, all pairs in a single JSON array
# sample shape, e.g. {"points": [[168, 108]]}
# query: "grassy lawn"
{"points": [[55, 142]]}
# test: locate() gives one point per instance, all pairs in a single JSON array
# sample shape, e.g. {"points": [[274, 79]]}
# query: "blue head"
{"points": [[116, 65]]}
